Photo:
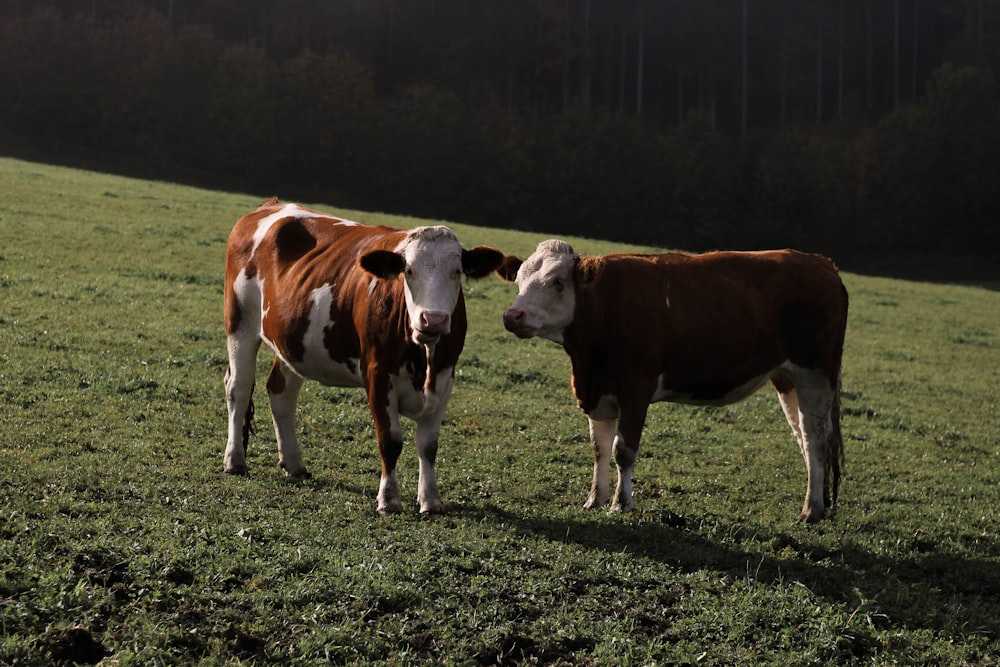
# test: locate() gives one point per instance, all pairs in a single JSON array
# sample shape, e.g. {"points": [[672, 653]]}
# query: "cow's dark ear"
{"points": [[382, 263], [481, 261], [508, 268], [587, 269]]}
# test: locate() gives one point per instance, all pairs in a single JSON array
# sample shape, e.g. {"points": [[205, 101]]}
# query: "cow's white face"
{"points": [[432, 280], [430, 260], [546, 295]]}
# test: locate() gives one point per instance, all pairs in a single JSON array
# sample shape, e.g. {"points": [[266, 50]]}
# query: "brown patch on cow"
{"points": [[508, 268], [417, 371], [384, 264], [276, 380], [481, 261], [587, 269], [286, 324], [293, 241], [233, 313], [782, 382]]}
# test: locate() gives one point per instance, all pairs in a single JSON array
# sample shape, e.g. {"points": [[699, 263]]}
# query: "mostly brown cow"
{"points": [[352, 306], [705, 329]]}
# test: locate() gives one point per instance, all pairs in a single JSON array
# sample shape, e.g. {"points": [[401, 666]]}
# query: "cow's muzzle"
{"points": [[513, 321], [432, 326]]}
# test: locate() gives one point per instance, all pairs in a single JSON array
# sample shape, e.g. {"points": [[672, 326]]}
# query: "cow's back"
{"points": [[751, 302], [712, 321], [293, 272]]}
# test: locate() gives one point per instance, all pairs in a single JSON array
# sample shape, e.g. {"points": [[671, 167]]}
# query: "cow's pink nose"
{"points": [[512, 318], [434, 322]]}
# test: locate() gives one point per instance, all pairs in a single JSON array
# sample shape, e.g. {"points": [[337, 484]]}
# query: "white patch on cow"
{"points": [[418, 403], [290, 211], [602, 436], [607, 408], [409, 400], [248, 291], [808, 379], [316, 363], [264, 224], [319, 321]]}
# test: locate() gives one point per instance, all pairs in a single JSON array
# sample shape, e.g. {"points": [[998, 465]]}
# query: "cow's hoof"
{"points": [[237, 470], [391, 508], [432, 507], [617, 507], [811, 515], [298, 471], [594, 503]]}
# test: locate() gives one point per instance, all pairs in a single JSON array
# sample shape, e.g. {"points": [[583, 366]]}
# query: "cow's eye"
{"points": [[409, 272]]}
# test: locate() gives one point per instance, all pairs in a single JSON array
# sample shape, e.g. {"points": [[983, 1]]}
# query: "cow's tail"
{"points": [[835, 448], [835, 452], [248, 428]]}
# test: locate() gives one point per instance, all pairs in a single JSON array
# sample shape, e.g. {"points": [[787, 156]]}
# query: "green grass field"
{"points": [[121, 539]]}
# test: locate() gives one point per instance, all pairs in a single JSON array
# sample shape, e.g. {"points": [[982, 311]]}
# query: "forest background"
{"points": [[859, 128]]}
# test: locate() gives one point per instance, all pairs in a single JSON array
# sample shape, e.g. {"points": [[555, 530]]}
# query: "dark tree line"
{"points": [[849, 126]]}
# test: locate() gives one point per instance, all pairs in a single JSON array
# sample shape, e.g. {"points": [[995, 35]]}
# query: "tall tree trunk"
{"points": [[586, 60], [841, 49], [916, 53], [392, 14], [982, 45], [895, 53], [783, 85], [640, 61], [869, 67], [678, 44], [819, 62], [743, 74], [565, 56], [621, 71]]}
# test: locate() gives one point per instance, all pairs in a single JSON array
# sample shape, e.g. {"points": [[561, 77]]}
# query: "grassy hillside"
{"points": [[121, 539]]}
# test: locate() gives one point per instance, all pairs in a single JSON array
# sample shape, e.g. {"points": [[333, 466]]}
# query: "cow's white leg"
{"points": [[428, 432], [239, 382], [283, 386], [602, 434], [790, 406], [626, 449], [389, 500], [625, 460], [815, 406], [384, 405]]}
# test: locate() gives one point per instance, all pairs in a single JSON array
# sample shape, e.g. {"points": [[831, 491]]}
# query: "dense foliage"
{"points": [[845, 127]]}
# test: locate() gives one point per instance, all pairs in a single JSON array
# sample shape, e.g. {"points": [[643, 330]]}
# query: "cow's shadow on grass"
{"points": [[927, 588]]}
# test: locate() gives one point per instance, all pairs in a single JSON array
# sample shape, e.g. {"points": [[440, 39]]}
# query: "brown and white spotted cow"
{"points": [[699, 329], [347, 305]]}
